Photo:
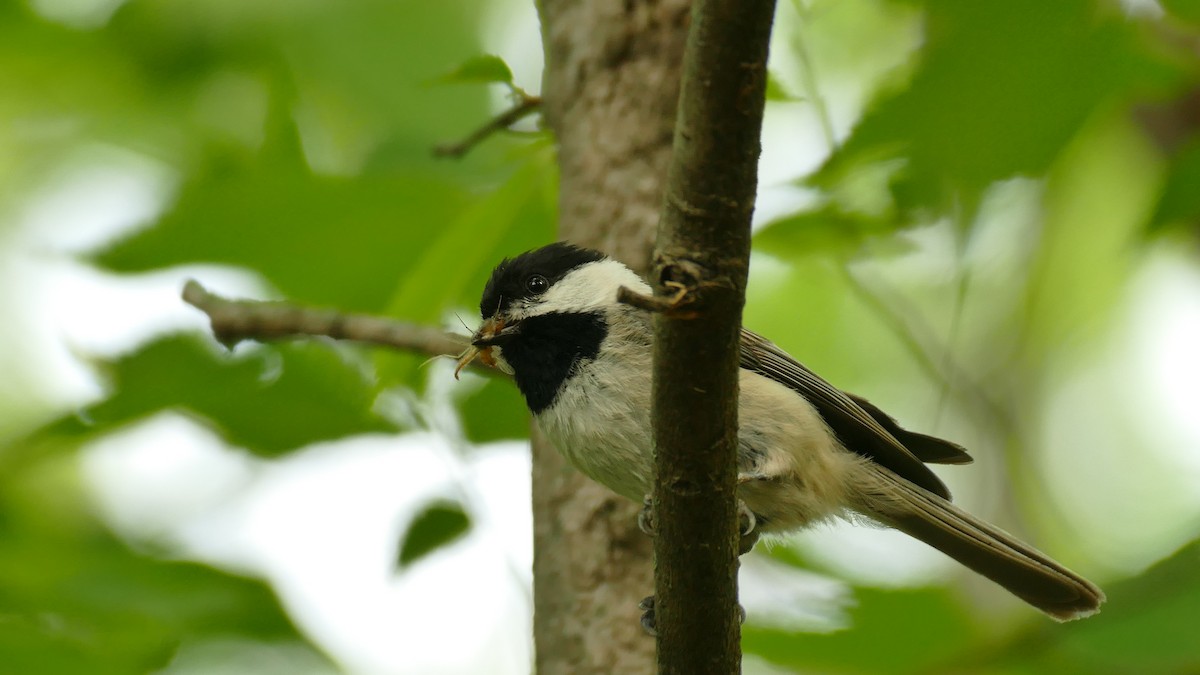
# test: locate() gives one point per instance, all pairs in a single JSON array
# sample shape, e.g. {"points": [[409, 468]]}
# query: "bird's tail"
{"points": [[1024, 571]]}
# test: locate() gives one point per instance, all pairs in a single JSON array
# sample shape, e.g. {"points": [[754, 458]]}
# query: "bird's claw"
{"points": [[747, 524], [647, 607], [747, 521], [646, 516], [747, 528], [648, 618]]}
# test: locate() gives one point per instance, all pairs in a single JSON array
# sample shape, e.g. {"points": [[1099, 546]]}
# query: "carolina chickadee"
{"points": [[807, 451]]}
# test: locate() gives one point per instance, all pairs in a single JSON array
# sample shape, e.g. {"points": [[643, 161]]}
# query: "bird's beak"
{"points": [[493, 333]]}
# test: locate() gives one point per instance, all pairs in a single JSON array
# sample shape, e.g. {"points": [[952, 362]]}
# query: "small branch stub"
{"points": [[672, 305]]}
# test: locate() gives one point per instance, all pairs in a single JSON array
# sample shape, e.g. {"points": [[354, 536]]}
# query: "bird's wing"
{"points": [[929, 449], [860, 426]]}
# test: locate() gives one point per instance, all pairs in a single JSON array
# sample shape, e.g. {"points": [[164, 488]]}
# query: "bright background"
{"points": [[982, 216]]}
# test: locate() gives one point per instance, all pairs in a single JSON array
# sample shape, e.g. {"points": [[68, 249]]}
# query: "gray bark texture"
{"points": [[610, 91]]}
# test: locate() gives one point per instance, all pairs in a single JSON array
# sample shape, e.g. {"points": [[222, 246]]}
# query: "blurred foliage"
{"points": [[927, 631], [878, 643], [486, 68], [1150, 634], [437, 525], [74, 599], [268, 402], [300, 137], [495, 412], [999, 90], [1180, 202], [969, 237]]}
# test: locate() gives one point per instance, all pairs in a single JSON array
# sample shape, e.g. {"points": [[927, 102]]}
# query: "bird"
{"points": [[807, 451]]}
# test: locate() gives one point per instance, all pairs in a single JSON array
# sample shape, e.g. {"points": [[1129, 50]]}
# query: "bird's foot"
{"points": [[747, 528], [647, 607], [747, 524], [648, 619], [646, 516]]}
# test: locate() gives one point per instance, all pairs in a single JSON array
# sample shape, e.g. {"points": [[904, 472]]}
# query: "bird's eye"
{"points": [[537, 284]]}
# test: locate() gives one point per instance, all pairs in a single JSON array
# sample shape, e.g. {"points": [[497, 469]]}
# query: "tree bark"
{"points": [[610, 91], [704, 248]]}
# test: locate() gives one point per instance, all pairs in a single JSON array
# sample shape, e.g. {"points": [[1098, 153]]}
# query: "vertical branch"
{"points": [[703, 248], [609, 92]]}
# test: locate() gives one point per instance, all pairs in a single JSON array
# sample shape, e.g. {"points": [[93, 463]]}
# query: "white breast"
{"points": [[601, 419]]}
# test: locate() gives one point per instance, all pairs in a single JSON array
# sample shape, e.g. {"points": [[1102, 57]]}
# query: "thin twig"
{"points": [[237, 320], [808, 75], [924, 348], [525, 106]]}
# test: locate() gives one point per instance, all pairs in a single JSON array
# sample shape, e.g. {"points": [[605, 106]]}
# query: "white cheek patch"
{"points": [[589, 288]]}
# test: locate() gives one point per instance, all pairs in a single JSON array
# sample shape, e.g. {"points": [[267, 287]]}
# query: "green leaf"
{"points": [[496, 412], [1186, 10], [270, 401], [1148, 624], [452, 269], [883, 637], [777, 92], [1180, 200], [1000, 90], [484, 68], [321, 240], [1098, 196], [516, 216], [827, 230], [77, 600], [436, 526]]}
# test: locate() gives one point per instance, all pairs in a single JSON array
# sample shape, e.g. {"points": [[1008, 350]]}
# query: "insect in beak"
{"points": [[492, 331], [470, 354]]}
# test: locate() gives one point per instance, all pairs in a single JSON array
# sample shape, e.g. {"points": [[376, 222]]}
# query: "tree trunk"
{"points": [[610, 90]]}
